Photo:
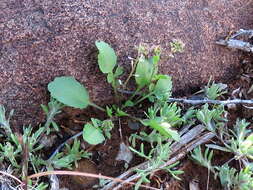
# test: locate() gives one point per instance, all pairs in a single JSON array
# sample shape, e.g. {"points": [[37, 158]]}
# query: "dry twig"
{"points": [[204, 101], [13, 177], [233, 43], [200, 101], [75, 173]]}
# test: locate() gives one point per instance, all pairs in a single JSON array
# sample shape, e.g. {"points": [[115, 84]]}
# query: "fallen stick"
{"points": [[236, 44], [233, 43], [200, 101], [204, 101]]}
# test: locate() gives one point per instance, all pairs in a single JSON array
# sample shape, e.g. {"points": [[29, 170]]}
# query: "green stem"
{"points": [[134, 118], [96, 106], [143, 98], [134, 94], [54, 110], [115, 89], [133, 63]]}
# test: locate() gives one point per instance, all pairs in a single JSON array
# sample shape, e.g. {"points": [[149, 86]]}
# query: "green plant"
{"points": [[177, 46], [22, 152], [203, 159], [150, 84], [71, 93], [107, 61], [51, 110], [211, 118], [239, 141], [230, 178], [169, 116], [161, 117], [214, 90], [5, 122], [66, 159], [157, 157], [151, 138], [93, 132]]}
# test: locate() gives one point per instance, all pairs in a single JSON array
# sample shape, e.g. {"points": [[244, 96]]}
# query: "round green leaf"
{"points": [[92, 134], [69, 92], [107, 58]]}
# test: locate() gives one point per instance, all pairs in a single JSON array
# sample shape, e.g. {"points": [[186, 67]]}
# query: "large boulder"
{"points": [[42, 39]]}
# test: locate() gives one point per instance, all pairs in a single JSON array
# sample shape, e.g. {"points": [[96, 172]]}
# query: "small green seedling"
{"points": [[95, 132], [14, 145], [177, 46], [169, 116], [214, 90], [157, 157], [66, 159], [230, 178], [241, 143], [203, 159], [211, 118], [107, 61]]}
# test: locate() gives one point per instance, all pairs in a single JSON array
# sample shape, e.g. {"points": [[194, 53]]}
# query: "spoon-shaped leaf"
{"points": [[69, 92], [144, 72], [107, 58], [92, 134]]}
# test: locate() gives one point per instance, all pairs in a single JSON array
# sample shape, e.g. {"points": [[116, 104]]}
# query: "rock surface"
{"points": [[42, 39]]}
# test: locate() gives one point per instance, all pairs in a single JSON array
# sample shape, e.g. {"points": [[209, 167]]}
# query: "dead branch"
{"points": [[12, 176], [233, 43], [200, 101], [236, 44], [204, 101]]}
